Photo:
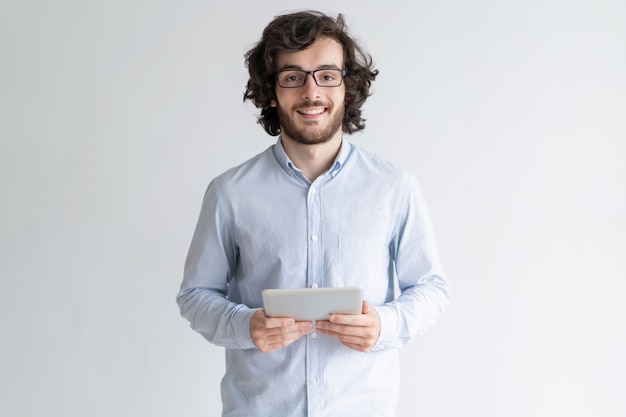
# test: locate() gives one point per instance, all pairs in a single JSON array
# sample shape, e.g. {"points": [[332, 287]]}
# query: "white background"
{"points": [[115, 115]]}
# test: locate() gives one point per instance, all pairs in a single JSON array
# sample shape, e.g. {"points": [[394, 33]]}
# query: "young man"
{"points": [[312, 210]]}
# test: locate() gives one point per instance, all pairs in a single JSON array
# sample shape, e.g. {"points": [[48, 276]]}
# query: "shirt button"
{"points": [[314, 238], [315, 285], [314, 382], [313, 190], [314, 335]]}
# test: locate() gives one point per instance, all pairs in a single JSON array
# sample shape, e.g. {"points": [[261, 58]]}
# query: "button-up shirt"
{"points": [[263, 224]]}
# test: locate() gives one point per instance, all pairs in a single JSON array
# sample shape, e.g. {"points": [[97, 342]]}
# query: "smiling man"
{"points": [[313, 210]]}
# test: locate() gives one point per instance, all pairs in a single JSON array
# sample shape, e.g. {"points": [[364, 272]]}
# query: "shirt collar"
{"points": [[290, 167]]}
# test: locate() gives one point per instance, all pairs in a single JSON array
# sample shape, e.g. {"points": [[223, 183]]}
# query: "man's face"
{"points": [[311, 114]]}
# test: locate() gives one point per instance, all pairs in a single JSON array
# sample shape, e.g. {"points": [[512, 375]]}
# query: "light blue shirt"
{"points": [[363, 223]]}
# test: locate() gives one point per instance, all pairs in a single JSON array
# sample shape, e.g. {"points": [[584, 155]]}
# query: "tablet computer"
{"points": [[309, 304]]}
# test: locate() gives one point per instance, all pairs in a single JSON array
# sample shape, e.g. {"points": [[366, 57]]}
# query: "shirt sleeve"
{"points": [[424, 291], [210, 264]]}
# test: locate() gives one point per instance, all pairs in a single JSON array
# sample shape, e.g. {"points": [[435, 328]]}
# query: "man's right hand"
{"points": [[273, 333]]}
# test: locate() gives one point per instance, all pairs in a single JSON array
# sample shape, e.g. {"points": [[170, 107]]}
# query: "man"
{"points": [[312, 210]]}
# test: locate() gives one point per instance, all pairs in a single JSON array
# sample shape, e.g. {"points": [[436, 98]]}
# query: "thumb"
{"points": [[366, 307]]}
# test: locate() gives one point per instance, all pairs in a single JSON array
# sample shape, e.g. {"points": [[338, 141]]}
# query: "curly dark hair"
{"points": [[295, 32]]}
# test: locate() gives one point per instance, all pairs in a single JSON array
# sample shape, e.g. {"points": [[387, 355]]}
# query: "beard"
{"points": [[311, 134]]}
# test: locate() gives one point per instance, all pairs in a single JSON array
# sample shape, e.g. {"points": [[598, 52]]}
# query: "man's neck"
{"points": [[313, 160]]}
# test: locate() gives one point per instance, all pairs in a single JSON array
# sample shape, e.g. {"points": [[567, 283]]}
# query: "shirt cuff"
{"points": [[388, 328], [241, 328]]}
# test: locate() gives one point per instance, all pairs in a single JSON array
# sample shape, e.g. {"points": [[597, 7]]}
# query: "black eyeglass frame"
{"points": [[343, 73]]}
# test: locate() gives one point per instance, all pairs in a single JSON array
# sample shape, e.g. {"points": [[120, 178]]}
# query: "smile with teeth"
{"points": [[312, 111]]}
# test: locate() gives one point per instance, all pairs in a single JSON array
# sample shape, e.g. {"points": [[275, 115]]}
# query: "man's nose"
{"points": [[310, 88]]}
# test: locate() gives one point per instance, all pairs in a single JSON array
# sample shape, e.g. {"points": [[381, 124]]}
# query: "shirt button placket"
{"points": [[314, 280]]}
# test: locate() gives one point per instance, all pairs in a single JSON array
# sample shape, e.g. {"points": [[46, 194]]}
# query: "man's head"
{"points": [[312, 32]]}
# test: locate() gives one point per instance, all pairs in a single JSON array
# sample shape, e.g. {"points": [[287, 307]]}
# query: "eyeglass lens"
{"points": [[297, 78]]}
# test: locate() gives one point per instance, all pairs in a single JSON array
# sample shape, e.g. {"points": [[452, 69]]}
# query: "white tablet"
{"points": [[308, 304]]}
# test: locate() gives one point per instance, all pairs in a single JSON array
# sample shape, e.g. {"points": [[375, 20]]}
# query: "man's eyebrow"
{"points": [[299, 68]]}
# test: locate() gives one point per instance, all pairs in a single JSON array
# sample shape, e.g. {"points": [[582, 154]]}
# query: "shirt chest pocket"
{"points": [[363, 260]]}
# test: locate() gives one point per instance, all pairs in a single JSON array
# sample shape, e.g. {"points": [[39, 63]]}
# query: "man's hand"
{"points": [[356, 331], [272, 333]]}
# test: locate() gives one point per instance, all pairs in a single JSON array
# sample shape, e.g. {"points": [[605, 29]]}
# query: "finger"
{"points": [[345, 331], [270, 339], [278, 322], [359, 320], [345, 319], [270, 344], [273, 322], [272, 327], [336, 328], [275, 342], [260, 319], [355, 342], [284, 338]]}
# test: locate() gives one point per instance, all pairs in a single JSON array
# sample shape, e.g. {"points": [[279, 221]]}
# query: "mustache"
{"points": [[316, 103]]}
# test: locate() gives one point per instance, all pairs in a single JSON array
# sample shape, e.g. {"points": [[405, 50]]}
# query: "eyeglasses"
{"points": [[322, 77]]}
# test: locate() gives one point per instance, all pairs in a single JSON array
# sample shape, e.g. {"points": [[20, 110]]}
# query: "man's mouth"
{"points": [[312, 112]]}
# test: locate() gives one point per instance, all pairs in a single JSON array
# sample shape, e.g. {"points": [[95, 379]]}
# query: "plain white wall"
{"points": [[114, 116]]}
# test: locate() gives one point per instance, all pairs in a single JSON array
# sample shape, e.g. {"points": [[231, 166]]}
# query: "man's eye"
{"points": [[291, 78], [327, 76]]}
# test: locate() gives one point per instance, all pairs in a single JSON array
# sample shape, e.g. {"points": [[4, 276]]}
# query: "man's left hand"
{"points": [[356, 331]]}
